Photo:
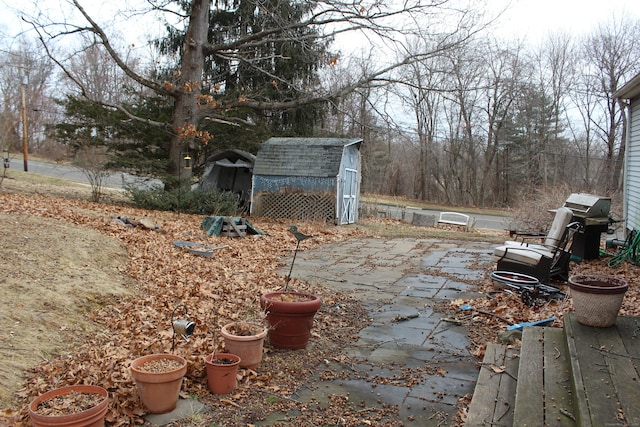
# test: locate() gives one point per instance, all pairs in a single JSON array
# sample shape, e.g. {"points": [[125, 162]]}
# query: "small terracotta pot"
{"points": [[247, 347], [221, 377], [290, 322], [159, 391], [92, 417]]}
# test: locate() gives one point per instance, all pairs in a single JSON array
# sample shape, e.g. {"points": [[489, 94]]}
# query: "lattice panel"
{"points": [[300, 206]]}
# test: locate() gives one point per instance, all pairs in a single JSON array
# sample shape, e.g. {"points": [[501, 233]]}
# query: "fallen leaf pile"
{"points": [[215, 290], [498, 307], [226, 288]]}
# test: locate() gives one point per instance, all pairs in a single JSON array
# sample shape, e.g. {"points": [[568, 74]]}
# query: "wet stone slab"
{"points": [[184, 409], [453, 338], [412, 356], [441, 389], [362, 393], [416, 412], [394, 334], [389, 313], [453, 290], [400, 282]]}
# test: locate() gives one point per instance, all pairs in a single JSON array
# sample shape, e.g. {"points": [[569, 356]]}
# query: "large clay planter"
{"points": [[247, 347], [221, 377], [159, 391], [290, 322], [597, 299], [92, 417]]}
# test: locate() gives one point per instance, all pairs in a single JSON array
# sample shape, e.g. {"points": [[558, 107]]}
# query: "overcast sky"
{"points": [[531, 19], [535, 18]]}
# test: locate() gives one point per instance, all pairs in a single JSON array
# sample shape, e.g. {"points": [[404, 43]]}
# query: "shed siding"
{"points": [[305, 178], [632, 168], [283, 184]]}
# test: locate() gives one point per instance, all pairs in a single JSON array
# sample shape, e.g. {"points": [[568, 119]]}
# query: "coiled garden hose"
{"points": [[629, 252]]}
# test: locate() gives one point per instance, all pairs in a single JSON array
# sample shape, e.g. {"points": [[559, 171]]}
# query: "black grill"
{"points": [[592, 212]]}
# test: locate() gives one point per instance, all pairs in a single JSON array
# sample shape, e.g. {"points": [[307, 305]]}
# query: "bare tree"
{"points": [[25, 71], [192, 106], [612, 52], [556, 60], [421, 93]]}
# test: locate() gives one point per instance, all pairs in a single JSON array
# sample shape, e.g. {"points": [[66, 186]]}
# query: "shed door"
{"points": [[349, 202]]}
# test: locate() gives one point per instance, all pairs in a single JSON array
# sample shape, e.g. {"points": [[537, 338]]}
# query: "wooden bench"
{"points": [[455, 218]]}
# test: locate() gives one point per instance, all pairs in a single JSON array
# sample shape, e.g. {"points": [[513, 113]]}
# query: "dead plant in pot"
{"points": [[290, 314], [75, 405], [159, 376], [245, 339]]}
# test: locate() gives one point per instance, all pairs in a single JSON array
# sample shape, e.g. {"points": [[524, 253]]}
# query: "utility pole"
{"points": [[23, 87]]}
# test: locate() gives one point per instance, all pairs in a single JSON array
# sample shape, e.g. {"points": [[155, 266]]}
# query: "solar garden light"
{"points": [[183, 327]]}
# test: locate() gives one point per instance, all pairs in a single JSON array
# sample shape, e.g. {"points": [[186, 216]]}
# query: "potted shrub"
{"points": [[246, 340], [159, 379], [75, 405], [222, 369]]}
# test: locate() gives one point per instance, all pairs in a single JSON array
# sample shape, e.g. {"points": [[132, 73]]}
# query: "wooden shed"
{"points": [[631, 92], [229, 170], [307, 179]]}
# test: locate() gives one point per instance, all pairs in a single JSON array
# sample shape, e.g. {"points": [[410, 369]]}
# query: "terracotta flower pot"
{"points": [[158, 390], [92, 417], [248, 345], [290, 316], [597, 299], [221, 376]]}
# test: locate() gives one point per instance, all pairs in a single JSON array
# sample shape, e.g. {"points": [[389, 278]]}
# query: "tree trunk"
{"points": [[186, 115]]}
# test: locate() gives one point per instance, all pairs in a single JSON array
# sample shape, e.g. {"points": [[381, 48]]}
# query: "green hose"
{"points": [[630, 251]]}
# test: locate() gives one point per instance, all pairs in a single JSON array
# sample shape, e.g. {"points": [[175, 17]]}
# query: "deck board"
{"points": [[505, 403], [575, 376], [605, 375], [622, 366], [558, 407], [492, 402], [543, 396], [529, 405]]}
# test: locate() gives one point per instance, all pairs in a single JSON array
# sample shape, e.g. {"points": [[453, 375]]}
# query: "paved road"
{"points": [[406, 213], [116, 180], [73, 173]]}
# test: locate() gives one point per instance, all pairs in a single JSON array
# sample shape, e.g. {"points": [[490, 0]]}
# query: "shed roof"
{"points": [[233, 158], [312, 157]]}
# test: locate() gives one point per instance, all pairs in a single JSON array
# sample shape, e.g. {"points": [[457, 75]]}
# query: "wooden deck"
{"points": [[574, 376]]}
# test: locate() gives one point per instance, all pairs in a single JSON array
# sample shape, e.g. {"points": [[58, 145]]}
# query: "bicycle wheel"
{"points": [[514, 279]]}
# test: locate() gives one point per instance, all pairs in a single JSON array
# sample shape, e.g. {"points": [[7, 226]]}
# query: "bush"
{"points": [[203, 202], [534, 212]]}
